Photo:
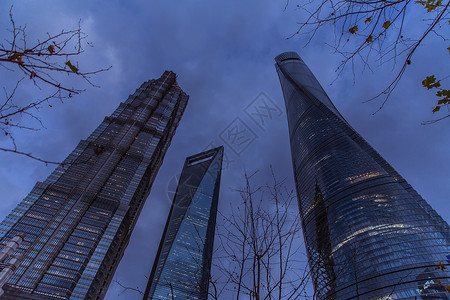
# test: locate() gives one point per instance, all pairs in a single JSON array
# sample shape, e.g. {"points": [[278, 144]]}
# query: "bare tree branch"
{"points": [[374, 31], [43, 62], [126, 288], [259, 242]]}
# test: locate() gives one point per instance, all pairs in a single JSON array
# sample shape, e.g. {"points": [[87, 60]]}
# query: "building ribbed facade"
{"points": [[182, 265], [77, 223], [368, 233]]}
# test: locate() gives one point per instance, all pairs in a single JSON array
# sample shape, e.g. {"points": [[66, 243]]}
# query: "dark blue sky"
{"points": [[223, 54]]}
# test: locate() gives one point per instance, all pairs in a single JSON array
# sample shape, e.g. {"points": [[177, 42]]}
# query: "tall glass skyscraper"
{"points": [[77, 223], [368, 233], [183, 262]]}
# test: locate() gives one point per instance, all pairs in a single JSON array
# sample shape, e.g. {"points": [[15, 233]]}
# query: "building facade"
{"points": [[368, 233], [77, 223], [183, 261]]}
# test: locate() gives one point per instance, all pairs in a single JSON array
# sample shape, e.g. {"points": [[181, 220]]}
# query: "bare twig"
{"points": [[128, 288]]}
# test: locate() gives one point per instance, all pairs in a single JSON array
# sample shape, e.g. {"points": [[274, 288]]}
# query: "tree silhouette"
{"points": [[50, 63], [259, 245], [375, 32]]}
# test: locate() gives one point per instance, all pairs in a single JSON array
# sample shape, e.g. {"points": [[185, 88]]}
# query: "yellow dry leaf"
{"points": [[51, 49], [353, 30], [72, 67]]}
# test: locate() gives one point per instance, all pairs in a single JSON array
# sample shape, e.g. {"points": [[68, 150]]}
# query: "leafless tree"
{"points": [[257, 250], [259, 245], [49, 63], [375, 32]]}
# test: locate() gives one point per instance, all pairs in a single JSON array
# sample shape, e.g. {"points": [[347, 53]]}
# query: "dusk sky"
{"points": [[223, 53]]}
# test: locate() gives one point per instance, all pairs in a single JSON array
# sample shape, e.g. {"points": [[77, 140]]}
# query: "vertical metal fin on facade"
{"points": [[76, 225], [368, 233], [183, 261]]}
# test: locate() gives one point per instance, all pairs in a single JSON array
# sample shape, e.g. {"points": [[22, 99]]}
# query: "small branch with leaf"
{"points": [[44, 62], [376, 31]]}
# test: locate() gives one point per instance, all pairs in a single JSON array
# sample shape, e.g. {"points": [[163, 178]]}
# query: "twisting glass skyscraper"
{"points": [[77, 223], [182, 264], [368, 233]]}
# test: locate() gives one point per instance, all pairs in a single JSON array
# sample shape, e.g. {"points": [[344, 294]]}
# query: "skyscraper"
{"points": [[77, 223], [368, 233], [182, 264]]}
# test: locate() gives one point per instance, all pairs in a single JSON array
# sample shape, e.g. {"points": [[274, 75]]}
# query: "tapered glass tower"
{"points": [[368, 233], [182, 264], [77, 223]]}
